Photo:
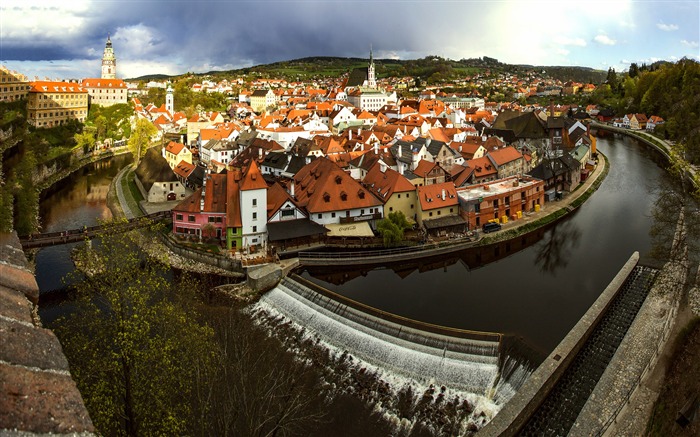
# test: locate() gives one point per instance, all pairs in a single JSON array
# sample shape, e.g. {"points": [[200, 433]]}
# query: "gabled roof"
{"points": [[174, 147], [431, 196], [505, 155], [215, 197], [482, 167], [43, 86], [233, 206], [184, 169], [322, 186], [276, 197], [424, 167], [253, 178], [385, 184], [154, 168]]}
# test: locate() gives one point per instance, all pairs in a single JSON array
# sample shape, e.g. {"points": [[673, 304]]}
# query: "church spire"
{"points": [[371, 80]]}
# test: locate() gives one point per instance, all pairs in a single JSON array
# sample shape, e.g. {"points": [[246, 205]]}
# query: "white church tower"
{"points": [[109, 62], [169, 103], [371, 80]]}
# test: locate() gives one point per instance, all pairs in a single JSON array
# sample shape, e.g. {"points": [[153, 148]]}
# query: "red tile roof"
{"points": [[253, 178], [482, 167], [174, 147], [103, 83], [505, 155], [43, 86], [385, 184], [423, 168], [214, 196], [430, 196], [322, 186]]}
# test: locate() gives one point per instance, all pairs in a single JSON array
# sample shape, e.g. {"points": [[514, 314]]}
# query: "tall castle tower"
{"points": [[169, 103], [371, 80], [109, 62]]}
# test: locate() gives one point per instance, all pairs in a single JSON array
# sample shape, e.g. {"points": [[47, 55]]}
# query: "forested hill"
{"points": [[428, 69]]}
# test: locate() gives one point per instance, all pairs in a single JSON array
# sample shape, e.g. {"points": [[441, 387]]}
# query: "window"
{"points": [[289, 212], [255, 229], [333, 215], [211, 219], [320, 216], [495, 203], [178, 216], [190, 218], [451, 210], [255, 202], [255, 216], [439, 212], [477, 208], [391, 209], [431, 214]]}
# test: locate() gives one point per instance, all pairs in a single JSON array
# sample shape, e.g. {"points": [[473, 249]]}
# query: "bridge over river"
{"points": [[89, 232]]}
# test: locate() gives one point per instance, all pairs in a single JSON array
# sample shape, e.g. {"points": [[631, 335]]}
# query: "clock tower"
{"points": [[109, 62]]}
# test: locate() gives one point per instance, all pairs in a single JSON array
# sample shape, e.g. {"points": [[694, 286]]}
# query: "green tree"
{"points": [[392, 228], [612, 79], [134, 345], [85, 140], [141, 138], [26, 196], [101, 127]]}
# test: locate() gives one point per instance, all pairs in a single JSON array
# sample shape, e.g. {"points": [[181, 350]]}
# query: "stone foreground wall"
{"points": [[37, 393]]}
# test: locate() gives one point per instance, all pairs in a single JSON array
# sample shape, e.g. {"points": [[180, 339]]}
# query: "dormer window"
{"points": [[343, 196], [361, 194], [326, 197], [338, 180]]}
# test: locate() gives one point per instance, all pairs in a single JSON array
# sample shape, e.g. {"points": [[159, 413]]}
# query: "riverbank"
{"points": [[82, 162], [549, 213], [122, 204], [662, 146]]}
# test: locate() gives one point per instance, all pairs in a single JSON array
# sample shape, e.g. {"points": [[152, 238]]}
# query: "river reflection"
{"points": [[535, 287], [77, 201]]}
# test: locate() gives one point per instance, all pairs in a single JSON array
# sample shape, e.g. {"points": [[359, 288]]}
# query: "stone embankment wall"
{"points": [[37, 393], [528, 398], [222, 262]]}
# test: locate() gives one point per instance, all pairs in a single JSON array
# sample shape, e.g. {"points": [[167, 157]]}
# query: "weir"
{"points": [[429, 354]]}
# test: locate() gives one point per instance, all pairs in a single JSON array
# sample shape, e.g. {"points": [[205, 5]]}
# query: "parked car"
{"points": [[491, 227]]}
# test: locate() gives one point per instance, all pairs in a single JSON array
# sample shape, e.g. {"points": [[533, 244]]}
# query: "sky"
{"points": [[65, 39]]}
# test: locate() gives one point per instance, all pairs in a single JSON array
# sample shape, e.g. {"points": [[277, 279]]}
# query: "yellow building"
{"points": [[13, 85], [437, 201], [54, 103], [105, 92], [260, 100], [393, 189]]}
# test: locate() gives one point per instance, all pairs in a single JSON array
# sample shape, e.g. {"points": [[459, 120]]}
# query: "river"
{"points": [[536, 288], [76, 201]]}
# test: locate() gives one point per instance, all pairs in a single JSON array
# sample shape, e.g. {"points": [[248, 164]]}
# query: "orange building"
{"points": [[501, 200], [54, 103]]}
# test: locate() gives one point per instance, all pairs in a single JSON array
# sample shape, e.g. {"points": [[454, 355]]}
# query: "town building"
{"points": [[500, 200], [331, 196], [260, 100], [13, 85], [52, 104], [203, 214], [175, 152], [438, 211], [105, 92], [393, 189], [156, 180]]}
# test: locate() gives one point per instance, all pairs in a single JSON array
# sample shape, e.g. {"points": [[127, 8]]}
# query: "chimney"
{"points": [[291, 188], [349, 134], [483, 138], [260, 153], [551, 107], [399, 154], [376, 148], [443, 194]]}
